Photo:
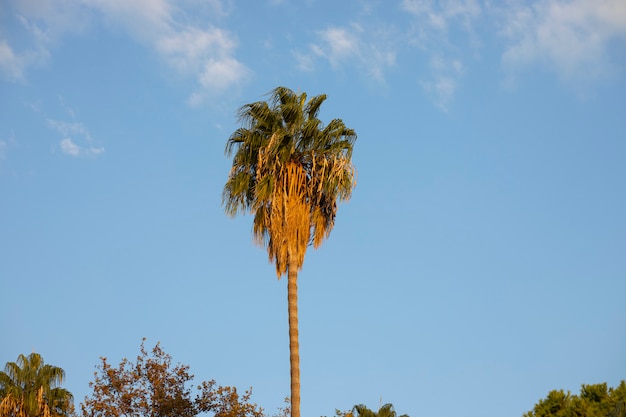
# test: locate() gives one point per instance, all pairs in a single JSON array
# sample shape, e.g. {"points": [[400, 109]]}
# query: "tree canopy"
{"points": [[385, 410], [31, 388], [595, 400], [153, 387]]}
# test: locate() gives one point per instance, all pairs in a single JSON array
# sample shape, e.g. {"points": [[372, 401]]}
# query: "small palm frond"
{"points": [[361, 410]]}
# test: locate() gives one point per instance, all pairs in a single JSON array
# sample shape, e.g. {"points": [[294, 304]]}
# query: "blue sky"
{"points": [[480, 263]]}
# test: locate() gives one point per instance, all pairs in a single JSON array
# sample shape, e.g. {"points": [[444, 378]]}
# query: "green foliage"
{"points": [[283, 156], [360, 410], [593, 401], [30, 388], [152, 387]]}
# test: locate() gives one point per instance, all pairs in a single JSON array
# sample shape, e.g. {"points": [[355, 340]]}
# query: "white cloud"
{"points": [[571, 38], [441, 89], [12, 65], [68, 128], [338, 45], [41, 23], [218, 76], [72, 131], [6, 144], [207, 53], [192, 49], [221, 74], [306, 61], [444, 30], [14, 62], [439, 15], [444, 80], [69, 147], [187, 49], [54, 18], [369, 50], [145, 19]]}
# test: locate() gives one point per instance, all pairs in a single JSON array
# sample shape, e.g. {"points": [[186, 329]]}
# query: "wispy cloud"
{"points": [[443, 84], [14, 62], [369, 50], [72, 132], [208, 53], [51, 19], [11, 64], [70, 148], [572, 38], [440, 15], [338, 44], [437, 29], [7, 144], [40, 23], [205, 52], [198, 50]]}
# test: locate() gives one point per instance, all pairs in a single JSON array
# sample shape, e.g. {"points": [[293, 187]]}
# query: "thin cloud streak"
{"points": [[570, 38], [433, 22]]}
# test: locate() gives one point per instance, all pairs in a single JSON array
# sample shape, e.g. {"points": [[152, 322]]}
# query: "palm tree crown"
{"points": [[30, 388], [385, 410], [289, 171]]}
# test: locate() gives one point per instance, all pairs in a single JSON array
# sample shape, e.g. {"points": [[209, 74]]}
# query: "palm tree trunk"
{"points": [[294, 348]]}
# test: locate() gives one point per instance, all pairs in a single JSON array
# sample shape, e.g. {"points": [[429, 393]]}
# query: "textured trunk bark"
{"points": [[294, 347]]}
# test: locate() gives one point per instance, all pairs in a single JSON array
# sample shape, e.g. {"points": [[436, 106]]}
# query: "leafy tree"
{"points": [[385, 410], [30, 388], [595, 400], [289, 171], [152, 387]]}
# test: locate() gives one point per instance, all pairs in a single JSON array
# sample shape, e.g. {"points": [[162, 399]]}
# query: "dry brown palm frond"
{"points": [[287, 219], [9, 407], [15, 407]]}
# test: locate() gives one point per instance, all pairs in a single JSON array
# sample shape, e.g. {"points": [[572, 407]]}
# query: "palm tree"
{"points": [[289, 171], [384, 411], [29, 388]]}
